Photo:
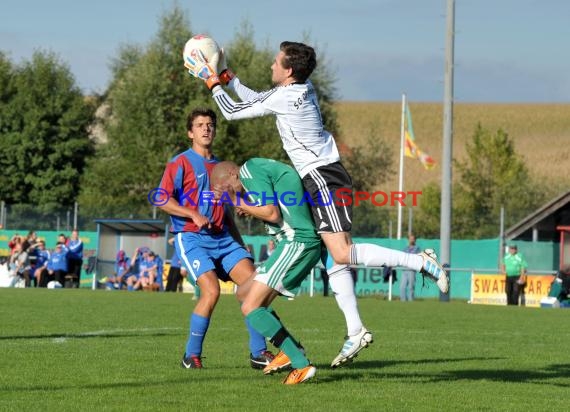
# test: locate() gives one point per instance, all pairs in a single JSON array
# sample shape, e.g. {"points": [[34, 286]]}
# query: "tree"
{"points": [[147, 101], [427, 218], [369, 165], [149, 98], [44, 128], [492, 176]]}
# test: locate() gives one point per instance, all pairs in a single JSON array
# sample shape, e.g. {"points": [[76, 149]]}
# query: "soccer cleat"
{"points": [[261, 361], [279, 363], [434, 271], [300, 375], [191, 362], [352, 346]]}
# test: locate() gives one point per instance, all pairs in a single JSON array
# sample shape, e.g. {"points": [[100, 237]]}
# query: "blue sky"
{"points": [[505, 50]]}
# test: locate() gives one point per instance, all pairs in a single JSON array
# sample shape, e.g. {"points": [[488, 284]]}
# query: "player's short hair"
{"points": [[200, 111], [300, 58]]}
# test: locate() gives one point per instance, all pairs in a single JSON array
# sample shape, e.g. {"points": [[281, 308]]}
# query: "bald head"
{"points": [[224, 173]]}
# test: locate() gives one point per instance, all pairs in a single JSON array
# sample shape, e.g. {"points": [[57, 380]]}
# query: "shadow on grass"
{"points": [[98, 334], [536, 376], [91, 386], [375, 364]]}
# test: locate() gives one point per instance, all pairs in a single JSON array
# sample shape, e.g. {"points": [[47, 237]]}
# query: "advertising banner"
{"points": [[489, 289]]}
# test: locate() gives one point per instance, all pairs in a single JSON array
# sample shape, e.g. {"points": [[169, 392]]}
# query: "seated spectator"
{"points": [[159, 272], [132, 277], [57, 264], [122, 266], [20, 263], [140, 254], [148, 273], [40, 265]]}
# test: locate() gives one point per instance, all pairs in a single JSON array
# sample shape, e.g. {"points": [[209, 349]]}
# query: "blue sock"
{"points": [[198, 328], [130, 288], [256, 340]]}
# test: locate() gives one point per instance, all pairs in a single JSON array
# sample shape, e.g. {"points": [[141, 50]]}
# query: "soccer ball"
{"points": [[54, 284], [202, 42]]}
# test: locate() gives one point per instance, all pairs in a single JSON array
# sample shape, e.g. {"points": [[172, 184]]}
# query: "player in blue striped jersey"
{"points": [[206, 239]]}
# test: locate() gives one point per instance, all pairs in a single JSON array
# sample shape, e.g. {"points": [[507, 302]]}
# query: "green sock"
{"points": [[266, 324], [272, 311]]}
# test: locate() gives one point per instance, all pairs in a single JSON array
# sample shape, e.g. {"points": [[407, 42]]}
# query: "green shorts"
{"points": [[289, 264]]}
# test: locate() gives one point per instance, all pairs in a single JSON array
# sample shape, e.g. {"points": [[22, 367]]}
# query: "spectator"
{"points": [[121, 270], [408, 281], [132, 279], [74, 258], [148, 271], [159, 280], [30, 241], [20, 263], [514, 267], [144, 269], [61, 238], [267, 252], [12, 243], [140, 254], [57, 264], [40, 265]]}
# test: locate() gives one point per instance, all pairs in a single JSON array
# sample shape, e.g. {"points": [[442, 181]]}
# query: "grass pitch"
{"points": [[97, 350]]}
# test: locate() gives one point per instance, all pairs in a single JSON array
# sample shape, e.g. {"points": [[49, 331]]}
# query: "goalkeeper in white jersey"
{"points": [[314, 154]]}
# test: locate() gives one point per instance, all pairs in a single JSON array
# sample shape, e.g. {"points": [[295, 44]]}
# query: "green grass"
{"points": [[85, 350]]}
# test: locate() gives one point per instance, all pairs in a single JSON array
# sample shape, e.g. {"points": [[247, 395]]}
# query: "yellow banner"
{"points": [[489, 289], [227, 288]]}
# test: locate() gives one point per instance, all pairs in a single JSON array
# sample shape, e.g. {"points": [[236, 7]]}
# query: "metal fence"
{"points": [[60, 219]]}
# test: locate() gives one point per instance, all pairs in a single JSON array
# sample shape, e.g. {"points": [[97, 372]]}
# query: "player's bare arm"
{"points": [[172, 207]]}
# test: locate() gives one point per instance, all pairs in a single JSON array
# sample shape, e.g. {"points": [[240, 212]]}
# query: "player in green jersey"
{"points": [[275, 195]]}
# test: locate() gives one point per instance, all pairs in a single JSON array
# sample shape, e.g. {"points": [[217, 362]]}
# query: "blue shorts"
{"points": [[200, 253]]}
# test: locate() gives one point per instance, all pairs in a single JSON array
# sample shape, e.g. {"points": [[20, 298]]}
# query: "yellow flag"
{"points": [[411, 149]]}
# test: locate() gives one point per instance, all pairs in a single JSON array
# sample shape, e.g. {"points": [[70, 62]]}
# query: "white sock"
{"points": [[342, 285], [368, 254]]}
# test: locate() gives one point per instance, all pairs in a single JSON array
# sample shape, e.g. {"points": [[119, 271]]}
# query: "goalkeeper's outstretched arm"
{"points": [[244, 93], [233, 110]]}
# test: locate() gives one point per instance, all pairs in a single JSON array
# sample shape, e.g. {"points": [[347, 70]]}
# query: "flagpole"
{"points": [[401, 179]]}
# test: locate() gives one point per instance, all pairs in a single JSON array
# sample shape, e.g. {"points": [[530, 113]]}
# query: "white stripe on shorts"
{"points": [[288, 257], [330, 206], [184, 257]]}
